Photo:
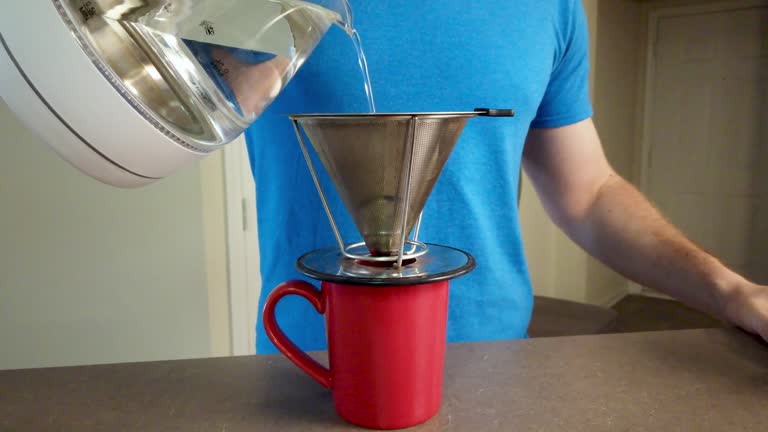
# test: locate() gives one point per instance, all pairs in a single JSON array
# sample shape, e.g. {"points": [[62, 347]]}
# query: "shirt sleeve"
{"points": [[566, 100]]}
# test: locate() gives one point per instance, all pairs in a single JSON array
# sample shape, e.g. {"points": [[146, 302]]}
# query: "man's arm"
{"points": [[616, 224]]}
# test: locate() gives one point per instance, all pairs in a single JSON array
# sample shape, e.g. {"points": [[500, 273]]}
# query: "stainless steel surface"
{"points": [[438, 263], [383, 166], [319, 188], [359, 251], [122, 52], [391, 115], [694, 380], [417, 228], [406, 193], [417, 248]]}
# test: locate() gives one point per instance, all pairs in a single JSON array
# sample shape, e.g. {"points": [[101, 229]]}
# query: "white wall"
{"points": [[94, 274]]}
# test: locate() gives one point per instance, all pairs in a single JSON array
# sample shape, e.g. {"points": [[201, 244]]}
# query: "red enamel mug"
{"points": [[386, 348]]}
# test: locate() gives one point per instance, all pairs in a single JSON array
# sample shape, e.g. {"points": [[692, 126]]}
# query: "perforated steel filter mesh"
{"points": [[368, 157]]}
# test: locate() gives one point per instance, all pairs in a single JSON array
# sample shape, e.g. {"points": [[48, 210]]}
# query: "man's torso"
{"points": [[423, 56]]}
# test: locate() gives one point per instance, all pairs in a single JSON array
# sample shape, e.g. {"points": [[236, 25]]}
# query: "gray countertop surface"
{"points": [[693, 380]]}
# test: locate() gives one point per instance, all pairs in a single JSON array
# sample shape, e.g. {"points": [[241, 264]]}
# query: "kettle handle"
{"points": [[312, 368]]}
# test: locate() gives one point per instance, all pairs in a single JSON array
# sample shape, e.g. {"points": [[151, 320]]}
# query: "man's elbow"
{"points": [[575, 205]]}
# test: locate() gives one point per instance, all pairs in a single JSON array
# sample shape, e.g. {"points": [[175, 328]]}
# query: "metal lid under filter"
{"points": [[437, 264]]}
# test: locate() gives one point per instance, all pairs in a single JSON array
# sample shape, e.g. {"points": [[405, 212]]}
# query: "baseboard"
{"points": [[640, 290], [611, 300], [654, 294], [634, 288]]}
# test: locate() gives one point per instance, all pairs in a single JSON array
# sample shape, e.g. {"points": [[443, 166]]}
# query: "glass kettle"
{"points": [[201, 71]]}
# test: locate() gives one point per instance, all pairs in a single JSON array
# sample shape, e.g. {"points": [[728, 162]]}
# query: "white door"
{"points": [[706, 147]]}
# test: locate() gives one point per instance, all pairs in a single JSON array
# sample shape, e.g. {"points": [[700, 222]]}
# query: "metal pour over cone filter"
{"points": [[384, 167]]}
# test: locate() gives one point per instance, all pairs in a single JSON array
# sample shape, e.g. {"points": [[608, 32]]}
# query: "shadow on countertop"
{"points": [[634, 313]]}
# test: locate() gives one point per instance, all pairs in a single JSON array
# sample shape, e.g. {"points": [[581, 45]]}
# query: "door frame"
{"points": [[654, 14], [244, 275]]}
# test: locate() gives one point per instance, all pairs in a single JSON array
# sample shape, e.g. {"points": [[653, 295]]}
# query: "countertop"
{"points": [[693, 380]]}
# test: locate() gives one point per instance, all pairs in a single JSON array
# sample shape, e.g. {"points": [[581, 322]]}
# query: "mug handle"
{"points": [[314, 369]]}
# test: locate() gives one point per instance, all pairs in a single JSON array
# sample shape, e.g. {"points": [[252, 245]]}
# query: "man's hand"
{"points": [[747, 307], [616, 224]]}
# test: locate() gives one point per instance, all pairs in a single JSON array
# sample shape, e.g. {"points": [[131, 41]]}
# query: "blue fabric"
{"points": [[451, 55]]}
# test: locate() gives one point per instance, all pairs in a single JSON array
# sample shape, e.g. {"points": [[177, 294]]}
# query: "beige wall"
{"points": [[617, 76], [558, 267], [591, 10], [93, 274]]}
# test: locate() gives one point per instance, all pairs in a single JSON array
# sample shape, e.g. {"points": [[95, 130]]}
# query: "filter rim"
{"points": [[389, 115]]}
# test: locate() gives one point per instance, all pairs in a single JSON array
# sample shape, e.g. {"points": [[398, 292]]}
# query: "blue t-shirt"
{"points": [[449, 55]]}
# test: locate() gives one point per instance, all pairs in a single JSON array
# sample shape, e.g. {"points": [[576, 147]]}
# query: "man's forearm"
{"points": [[614, 222], [622, 229]]}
